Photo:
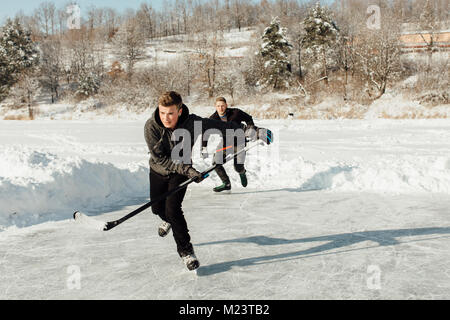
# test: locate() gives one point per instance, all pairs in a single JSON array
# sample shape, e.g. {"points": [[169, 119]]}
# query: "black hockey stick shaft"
{"points": [[112, 224]]}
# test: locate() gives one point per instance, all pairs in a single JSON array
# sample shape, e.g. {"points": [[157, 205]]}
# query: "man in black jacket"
{"points": [[170, 166], [232, 115]]}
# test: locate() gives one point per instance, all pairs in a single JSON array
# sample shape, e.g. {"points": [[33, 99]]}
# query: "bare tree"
{"points": [[61, 18], [51, 67], [188, 72], [112, 21], [146, 19], [350, 19], [130, 44], [231, 79], [25, 90], [45, 16], [237, 13], [378, 54], [207, 50], [85, 58], [428, 23], [297, 34]]}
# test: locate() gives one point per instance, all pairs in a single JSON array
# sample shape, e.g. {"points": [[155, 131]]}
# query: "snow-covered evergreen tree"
{"points": [[275, 49], [88, 84], [18, 53], [321, 33]]}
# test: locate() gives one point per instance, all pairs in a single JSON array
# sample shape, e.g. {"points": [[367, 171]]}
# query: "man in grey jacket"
{"points": [[170, 162]]}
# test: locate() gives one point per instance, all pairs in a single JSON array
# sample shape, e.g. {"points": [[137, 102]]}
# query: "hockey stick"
{"points": [[105, 226]]}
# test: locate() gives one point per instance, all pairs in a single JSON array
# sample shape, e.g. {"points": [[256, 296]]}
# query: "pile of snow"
{"points": [[393, 105], [89, 109], [37, 187], [50, 169], [393, 162], [384, 174], [235, 37]]}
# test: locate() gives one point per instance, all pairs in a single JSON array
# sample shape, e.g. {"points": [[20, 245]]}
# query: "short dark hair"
{"points": [[221, 99], [170, 98]]}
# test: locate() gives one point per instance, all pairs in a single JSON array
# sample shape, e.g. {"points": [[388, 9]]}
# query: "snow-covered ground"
{"points": [[334, 209], [162, 51]]}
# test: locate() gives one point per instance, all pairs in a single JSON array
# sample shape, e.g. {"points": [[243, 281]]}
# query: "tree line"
{"points": [[300, 46]]}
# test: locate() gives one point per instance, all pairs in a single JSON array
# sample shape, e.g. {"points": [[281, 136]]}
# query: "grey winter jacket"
{"points": [[160, 143]]}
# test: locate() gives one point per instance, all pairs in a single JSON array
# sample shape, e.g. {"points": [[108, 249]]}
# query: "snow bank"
{"points": [[393, 105], [383, 174], [390, 174], [50, 169], [37, 187]]}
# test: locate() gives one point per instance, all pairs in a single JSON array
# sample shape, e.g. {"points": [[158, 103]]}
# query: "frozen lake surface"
{"points": [[333, 210]]}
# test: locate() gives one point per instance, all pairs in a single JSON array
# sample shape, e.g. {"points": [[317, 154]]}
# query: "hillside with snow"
{"points": [[397, 103]]}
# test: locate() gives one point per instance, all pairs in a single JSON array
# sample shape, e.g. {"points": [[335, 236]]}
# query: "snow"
{"points": [[235, 36], [234, 52], [318, 21], [327, 203], [70, 167], [396, 105], [234, 43]]}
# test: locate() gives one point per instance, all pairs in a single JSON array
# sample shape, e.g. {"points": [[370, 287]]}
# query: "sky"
{"points": [[9, 8]]}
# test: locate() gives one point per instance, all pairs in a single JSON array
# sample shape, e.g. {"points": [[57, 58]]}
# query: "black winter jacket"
{"points": [[160, 143], [233, 115]]}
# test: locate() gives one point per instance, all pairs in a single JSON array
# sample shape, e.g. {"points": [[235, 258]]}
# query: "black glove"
{"points": [[195, 175], [254, 133]]}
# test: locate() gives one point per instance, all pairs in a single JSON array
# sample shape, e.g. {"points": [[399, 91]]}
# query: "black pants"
{"points": [[169, 209], [219, 157]]}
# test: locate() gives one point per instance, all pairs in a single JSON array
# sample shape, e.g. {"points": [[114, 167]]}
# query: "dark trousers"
{"points": [[238, 162], [169, 209]]}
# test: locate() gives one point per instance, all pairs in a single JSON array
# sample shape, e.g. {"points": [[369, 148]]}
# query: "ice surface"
{"points": [[334, 209], [252, 244]]}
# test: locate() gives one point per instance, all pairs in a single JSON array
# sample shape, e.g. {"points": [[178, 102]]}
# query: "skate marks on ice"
{"points": [[336, 241]]}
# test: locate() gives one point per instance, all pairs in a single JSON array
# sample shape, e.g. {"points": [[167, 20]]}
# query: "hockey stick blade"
{"points": [[88, 222]]}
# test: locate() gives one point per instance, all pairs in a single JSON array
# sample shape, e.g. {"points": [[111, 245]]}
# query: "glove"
{"points": [[265, 135], [251, 133], [195, 175], [204, 153], [254, 133]]}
